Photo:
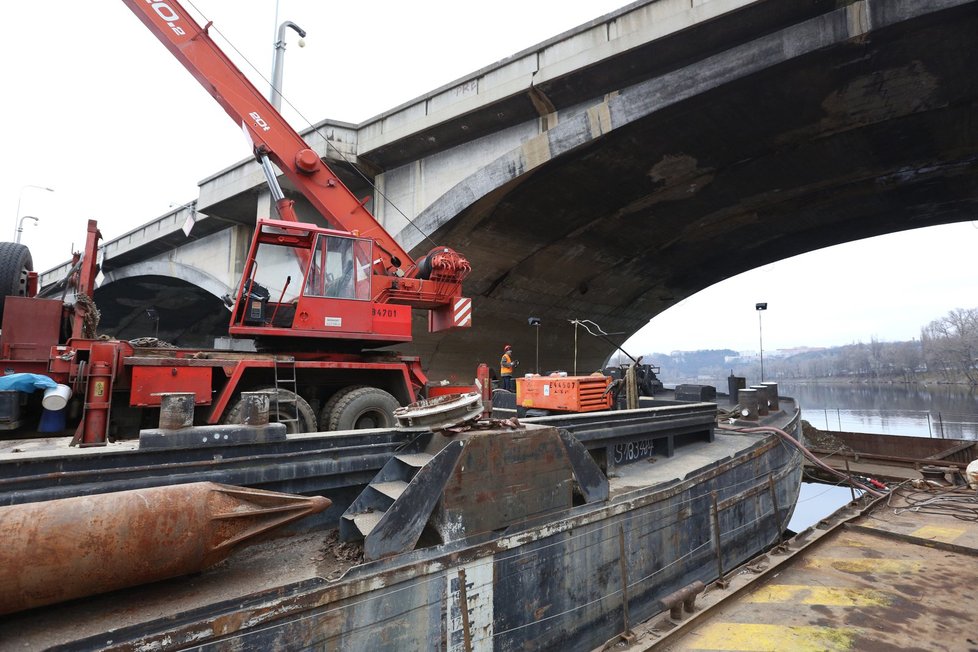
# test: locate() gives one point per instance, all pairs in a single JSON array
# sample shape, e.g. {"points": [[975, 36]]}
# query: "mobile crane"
{"points": [[355, 291]]}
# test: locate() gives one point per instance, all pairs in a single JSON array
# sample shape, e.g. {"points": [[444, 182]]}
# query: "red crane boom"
{"points": [[433, 283]]}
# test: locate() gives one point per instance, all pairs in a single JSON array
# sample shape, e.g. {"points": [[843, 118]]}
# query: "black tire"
{"points": [[327, 408], [307, 418], [364, 407], [15, 263]]}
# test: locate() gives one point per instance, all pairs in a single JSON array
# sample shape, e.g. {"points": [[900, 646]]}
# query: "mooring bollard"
{"points": [[176, 410], [255, 408], [772, 396], [762, 399], [747, 398]]}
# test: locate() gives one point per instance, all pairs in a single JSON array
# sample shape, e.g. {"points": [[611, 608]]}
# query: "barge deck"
{"points": [[891, 574]]}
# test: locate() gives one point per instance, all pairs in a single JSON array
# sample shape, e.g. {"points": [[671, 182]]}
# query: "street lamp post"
{"points": [[154, 317], [760, 307], [18, 225], [278, 60], [535, 323]]}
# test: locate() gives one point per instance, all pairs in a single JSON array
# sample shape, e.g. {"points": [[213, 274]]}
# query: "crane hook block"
{"points": [[307, 161]]}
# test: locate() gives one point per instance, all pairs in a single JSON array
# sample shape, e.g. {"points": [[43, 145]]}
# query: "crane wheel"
{"points": [[15, 263], [363, 407], [328, 407], [287, 404]]}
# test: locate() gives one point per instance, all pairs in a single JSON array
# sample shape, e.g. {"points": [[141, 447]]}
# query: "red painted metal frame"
{"points": [[148, 383], [409, 369], [85, 280]]}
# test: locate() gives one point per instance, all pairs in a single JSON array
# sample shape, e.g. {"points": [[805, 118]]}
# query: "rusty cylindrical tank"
{"points": [[63, 549]]}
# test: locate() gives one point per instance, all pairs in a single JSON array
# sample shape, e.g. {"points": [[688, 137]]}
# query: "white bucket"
{"points": [[972, 474], [56, 398]]}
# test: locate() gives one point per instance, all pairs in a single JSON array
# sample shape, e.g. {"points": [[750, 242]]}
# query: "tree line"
{"points": [[947, 351]]}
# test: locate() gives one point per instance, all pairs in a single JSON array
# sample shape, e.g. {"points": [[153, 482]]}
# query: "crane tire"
{"points": [[307, 418], [328, 406], [15, 263], [363, 407]]}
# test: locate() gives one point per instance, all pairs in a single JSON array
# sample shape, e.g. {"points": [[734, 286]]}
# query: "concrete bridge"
{"points": [[618, 168]]}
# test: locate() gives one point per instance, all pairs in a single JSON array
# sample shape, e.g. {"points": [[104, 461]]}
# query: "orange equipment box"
{"points": [[564, 393]]}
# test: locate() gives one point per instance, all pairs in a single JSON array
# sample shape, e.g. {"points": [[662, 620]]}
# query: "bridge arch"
{"points": [[735, 161], [178, 303]]}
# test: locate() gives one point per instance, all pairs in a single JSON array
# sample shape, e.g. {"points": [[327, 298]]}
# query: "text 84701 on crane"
{"points": [[316, 299]]}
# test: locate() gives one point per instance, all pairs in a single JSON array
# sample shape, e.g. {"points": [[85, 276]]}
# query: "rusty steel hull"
{"points": [[559, 581]]}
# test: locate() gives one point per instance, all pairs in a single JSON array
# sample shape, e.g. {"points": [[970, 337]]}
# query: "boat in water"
{"points": [[545, 532]]}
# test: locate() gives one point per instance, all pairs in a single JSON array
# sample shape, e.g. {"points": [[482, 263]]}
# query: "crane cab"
{"points": [[302, 280]]}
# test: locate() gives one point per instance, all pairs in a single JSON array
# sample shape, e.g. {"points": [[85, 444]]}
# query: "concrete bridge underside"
{"points": [[850, 141], [858, 122]]}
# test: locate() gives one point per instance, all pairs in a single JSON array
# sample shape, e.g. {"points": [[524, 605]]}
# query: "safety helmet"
{"points": [[507, 348]]}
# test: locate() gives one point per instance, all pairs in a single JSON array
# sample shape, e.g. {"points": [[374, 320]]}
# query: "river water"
{"points": [[922, 411]]}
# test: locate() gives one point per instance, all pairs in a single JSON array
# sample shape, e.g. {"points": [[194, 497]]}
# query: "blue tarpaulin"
{"points": [[26, 382]]}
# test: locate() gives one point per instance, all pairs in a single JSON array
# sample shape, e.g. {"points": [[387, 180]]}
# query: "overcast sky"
{"points": [[97, 109]]}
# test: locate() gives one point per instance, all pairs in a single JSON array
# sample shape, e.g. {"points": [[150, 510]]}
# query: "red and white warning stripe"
{"points": [[463, 312]]}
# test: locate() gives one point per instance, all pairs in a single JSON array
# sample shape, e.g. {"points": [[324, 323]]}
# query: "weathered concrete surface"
{"points": [[817, 134], [692, 146]]}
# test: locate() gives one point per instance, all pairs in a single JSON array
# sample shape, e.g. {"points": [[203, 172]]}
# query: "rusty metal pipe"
{"points": [[70, 548]]}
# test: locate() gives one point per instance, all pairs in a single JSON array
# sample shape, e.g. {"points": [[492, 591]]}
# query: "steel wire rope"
{"points": [[307, 121], [950, 501], [808, 474], [829, 487], [741, 527], [629, 585], [603, 597]]}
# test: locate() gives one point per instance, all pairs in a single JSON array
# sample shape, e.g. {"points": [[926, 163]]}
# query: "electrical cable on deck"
{"points": [[807, 453], [950, 501]]}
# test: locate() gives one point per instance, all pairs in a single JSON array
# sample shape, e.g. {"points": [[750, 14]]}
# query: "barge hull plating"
{"points": [[557, 582]]}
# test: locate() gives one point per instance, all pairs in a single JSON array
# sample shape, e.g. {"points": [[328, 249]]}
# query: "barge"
{"points": [[555, 531]]}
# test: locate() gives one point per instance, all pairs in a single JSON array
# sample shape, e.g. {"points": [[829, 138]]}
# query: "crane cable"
{"points": [[329, 143]]}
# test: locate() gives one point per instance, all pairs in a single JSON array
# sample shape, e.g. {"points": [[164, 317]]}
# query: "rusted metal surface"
{"points": [[592, 483], [895, 575], [887, 457], [176, 410], [64, 549], [441, 412]]}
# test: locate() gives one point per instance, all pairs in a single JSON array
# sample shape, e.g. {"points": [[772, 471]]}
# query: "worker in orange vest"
{"points": [[506, 366]]}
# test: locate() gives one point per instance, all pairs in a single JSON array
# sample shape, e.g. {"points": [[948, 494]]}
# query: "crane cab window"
{"points": [[339, 268]]}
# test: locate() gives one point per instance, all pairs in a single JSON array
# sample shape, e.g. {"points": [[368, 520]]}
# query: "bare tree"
{"points": [[951, 344]]}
